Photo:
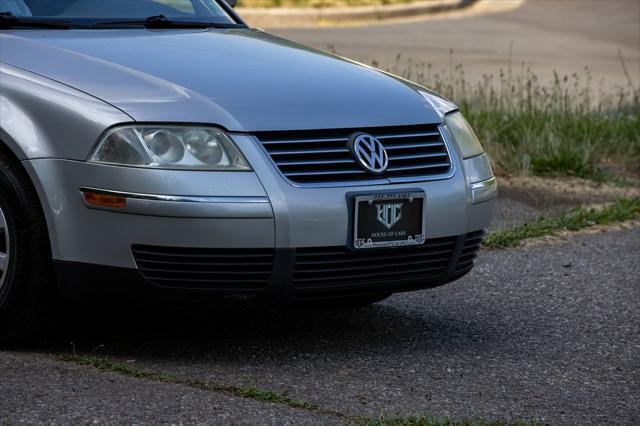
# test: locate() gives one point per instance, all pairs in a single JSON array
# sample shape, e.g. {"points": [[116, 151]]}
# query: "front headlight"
{"points": [[169, 147], [463, 135]]}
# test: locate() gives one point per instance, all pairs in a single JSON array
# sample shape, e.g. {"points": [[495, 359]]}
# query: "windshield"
{"points": [[88, 12]]}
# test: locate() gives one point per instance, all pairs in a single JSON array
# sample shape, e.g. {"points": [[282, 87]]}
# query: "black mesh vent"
{"points": [[223, 269], [470, 250], [337, 267]]}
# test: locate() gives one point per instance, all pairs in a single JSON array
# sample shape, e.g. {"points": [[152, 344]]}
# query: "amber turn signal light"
{"points": [[103, 200]]}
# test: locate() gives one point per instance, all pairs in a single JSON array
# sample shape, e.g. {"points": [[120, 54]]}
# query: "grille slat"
{"points": [[463, 266], [203, 271], [297, 141], [371, 259], [324, 156], [361, 276], [311, 151], [312, 162], [374, 267], [423, 166], [467, 257], [189, 262], [417, 156], [221, 283], [408, 135], [469, 253], [336, 267], [183, 253], [318, 173], [411, 146], [215, 269], [339, 252]]}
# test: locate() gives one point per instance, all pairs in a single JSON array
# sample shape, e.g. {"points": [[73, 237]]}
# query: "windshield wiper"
{"points": [[9, 20], [159, 22]]}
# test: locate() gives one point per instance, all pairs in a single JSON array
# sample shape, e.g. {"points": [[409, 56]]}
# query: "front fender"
{"points": [[41, 118]]}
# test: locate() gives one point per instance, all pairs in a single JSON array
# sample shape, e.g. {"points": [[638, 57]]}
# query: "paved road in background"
{"points": [[547, 333], [565, 35]]}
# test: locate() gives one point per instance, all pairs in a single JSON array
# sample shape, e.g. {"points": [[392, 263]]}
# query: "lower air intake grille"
{"points": [[338, 267], [223, 269], [324, 156], [470, 250]]}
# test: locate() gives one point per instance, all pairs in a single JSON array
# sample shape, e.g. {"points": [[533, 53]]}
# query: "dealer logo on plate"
{"points": [[389, 214]]}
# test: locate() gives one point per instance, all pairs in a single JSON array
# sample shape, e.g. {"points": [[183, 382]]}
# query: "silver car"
{"points": [[163, 147]]}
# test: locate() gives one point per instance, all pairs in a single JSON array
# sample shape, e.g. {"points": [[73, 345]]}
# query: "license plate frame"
{"points": [[379, 235]]}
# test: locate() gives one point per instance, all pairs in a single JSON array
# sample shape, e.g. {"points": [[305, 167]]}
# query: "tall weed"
{"points": [[566, 126]]}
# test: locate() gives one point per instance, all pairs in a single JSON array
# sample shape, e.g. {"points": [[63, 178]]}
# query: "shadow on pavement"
{"points": [[239, 330]]}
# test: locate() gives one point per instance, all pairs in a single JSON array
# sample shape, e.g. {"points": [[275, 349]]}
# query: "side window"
{"points": [[182, 5]]}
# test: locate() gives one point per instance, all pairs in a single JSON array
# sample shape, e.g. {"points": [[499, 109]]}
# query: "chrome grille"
{"points": [[308, 157]]}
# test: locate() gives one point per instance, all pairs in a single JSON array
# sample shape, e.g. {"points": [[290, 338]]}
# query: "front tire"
{"points": [[26, 292]]}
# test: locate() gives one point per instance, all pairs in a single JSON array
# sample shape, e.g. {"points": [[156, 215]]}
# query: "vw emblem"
{"points": [[370, 153]]}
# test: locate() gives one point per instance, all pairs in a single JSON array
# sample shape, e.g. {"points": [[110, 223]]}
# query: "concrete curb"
{"points": [[309, 17]]}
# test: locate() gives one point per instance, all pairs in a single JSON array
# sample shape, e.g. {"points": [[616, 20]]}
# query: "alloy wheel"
{"points": [[5, 249]]}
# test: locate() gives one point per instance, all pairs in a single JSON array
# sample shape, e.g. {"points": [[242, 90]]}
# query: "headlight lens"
{"points": [[170, 147], [463, 135]]}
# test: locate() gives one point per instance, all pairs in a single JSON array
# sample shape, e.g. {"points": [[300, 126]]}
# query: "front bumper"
{"points": [[233, 211], [274, 274]]}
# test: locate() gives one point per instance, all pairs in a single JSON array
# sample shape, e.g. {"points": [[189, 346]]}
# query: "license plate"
{"points": [[389, 220]]}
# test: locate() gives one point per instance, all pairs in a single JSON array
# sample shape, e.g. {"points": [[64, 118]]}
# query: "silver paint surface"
{"points": [[60, 90], [240, 79]]}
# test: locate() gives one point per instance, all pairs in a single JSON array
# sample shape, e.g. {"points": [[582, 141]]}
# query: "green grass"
{"points": [[586, 145], [262, 395], [568, 126], [576, 219], [104, 364]]}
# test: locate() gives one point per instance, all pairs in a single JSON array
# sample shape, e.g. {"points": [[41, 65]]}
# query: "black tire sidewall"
{"points": [[27, 293], [10, 207]]}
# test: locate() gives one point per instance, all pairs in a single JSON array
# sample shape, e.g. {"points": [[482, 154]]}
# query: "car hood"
{"points": [[241, 79]]}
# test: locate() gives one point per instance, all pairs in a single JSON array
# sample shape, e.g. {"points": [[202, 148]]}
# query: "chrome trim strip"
{"points": [[176, 198], [484, 190], [483, 184]]}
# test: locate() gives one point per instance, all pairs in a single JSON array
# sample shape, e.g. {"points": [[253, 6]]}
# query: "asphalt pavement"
{"points": [[38, 389], [547, 333]]}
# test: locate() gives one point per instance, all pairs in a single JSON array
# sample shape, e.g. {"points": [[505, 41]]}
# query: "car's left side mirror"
{"points": [[232, 3]]}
